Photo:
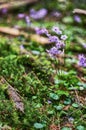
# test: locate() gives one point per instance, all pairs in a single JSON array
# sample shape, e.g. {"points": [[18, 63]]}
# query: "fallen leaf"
{"points": [[54, 127], [11, 31], [15, 3], [39, 39], [66, 107]]}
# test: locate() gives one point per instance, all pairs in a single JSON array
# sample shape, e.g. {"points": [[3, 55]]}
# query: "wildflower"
{"points": [[21, 47], [4, 10], [38, 14], [56, 30], [82, 60], [32, 11], [21, 15], [53, 39], [27, 20], [63, 37], [60, 44], [77, 19], [49, 102], [56, 14], [54, 51], [41, 31], [84, 45]]}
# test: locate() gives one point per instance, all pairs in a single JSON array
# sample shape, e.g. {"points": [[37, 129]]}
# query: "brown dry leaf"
{"points": [[11, 31], [66, 107], [40, 39], [79, 69], [34, 37], [79, 11], [15, 3], [13, 94], [54, 127], [68, 125], [6, 127]]}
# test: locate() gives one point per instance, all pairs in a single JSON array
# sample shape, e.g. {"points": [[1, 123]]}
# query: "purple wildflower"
{"points": [[49, 102], [21, 47], [53, 52], [27, 20], [53, 39], [41, 31], [77, 19], [60, 44], [56, 30], [56, 14], [63, 37], [32, 11], [21, 15], [84, 45], [4, 10], [82, 60], [38, 14]]}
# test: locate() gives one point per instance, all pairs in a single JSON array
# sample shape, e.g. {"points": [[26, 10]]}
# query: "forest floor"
{"points": [[38, 91]]}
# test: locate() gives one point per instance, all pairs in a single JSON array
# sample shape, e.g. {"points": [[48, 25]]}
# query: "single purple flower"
{"points": [[32, 11], [63, 37], [21, 15], [4, 10], [56, 30], [84, 45], [56, 14], [53, 39], [21, 47], [49, 102], [77, 19], [82, 60], [27, 20], [60, 44]]}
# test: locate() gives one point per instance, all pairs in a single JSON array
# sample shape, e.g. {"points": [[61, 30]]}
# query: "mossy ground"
{"points": [[51, 100]]}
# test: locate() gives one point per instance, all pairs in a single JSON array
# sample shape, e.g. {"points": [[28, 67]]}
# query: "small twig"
{"points": [[77, 97]]}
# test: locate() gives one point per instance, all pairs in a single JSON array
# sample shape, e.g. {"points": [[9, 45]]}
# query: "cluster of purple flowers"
{"points": [[38, 14], [41, 31], [58, 40], [33, 14], [58, 49], [82, 60]]}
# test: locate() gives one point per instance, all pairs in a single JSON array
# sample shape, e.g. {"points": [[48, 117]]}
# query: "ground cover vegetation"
{"points": [[43, 65]]}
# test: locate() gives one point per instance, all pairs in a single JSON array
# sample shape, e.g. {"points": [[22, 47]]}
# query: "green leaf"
{"points": [[62, 92], [80, 127], [38, 125], [50, 112], [75, 105], [58, 107], [66, 128], [54, 96], [67, 101]]}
